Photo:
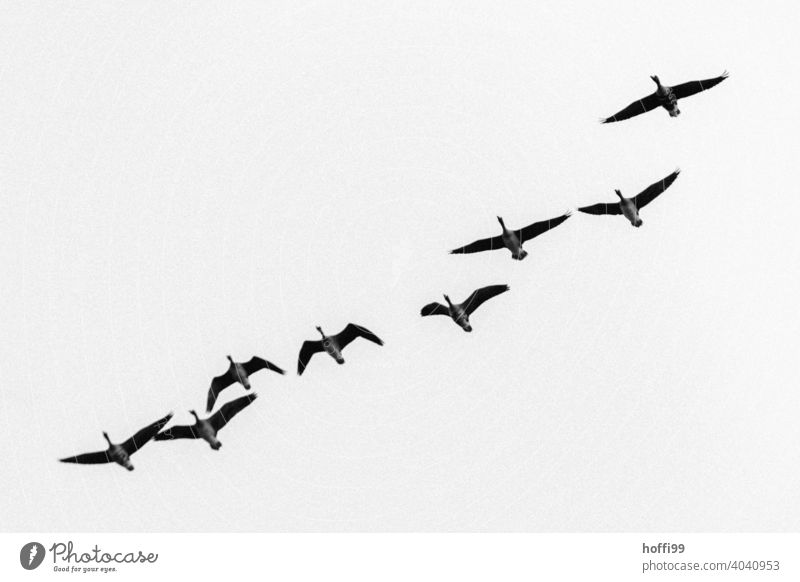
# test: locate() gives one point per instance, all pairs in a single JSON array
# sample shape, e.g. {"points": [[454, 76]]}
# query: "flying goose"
{"points": [[512, 239], [666, 97], [237, 372], [333, 344], [207, 428], [460, 312], [629, 207], [120, 454]]}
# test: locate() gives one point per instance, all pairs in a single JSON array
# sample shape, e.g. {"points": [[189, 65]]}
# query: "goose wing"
{"points": [[636, 108], [602, 208], [352, 331], [182, 431], [692, 87], [230, 409], [219, 384], [138, 440], [255, 364], [485, 244], [537, 228], [309, 348], [434, 309], [650, 193], [88, 458], [480, 295]]}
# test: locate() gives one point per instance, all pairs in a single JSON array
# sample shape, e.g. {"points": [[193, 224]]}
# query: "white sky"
{"points": [[182, 180]]}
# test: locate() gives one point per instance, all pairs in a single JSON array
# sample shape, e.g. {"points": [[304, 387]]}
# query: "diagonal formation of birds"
{"points": [[240, 372]]}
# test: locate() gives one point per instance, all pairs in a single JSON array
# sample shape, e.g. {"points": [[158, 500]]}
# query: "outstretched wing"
{"points": [[255, 364], [692, 87], [352, 331], [434, 309], [480, 295], [182, 431], [602, 208], [309, 348], [636, 108], [219, 384], [230, 409], [138, 440], [485, 244], [88, 458], [649, 194], [537, 228]]}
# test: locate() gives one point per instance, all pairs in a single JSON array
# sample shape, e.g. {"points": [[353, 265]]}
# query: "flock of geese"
{"points": [[240, 372]]}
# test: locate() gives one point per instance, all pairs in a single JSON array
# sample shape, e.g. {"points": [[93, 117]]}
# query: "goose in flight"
{"points": [[511, 239], [207, 428], [460, 312], [120, 454], [630, 207], [666, 97], [237, 372], [333, 344]]}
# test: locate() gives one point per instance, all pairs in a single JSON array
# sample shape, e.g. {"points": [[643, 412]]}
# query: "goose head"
{"points": [[319, 329], [230, 359], [447, 298], [619, 194], [194, 413], [108, 440], [500, 220], [656, 80]]}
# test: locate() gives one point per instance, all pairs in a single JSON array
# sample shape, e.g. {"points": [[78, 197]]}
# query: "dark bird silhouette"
{"points": [[460, 312], [630, 207], [666, 97], [237, 372], [207, 428], [120, 454], [512, 239], [333, 344]]}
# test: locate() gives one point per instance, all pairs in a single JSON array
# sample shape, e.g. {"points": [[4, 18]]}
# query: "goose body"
{"points": [[460, 312], [512, 243], [238, 372], [120, 453], [629, 210], [666, 97], [630, 207], [331, 347], [207, 428], [511, 239], [333, 344]]}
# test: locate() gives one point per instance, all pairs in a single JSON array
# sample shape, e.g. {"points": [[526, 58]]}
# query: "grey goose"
{"points": [[120, 454], [333, 344], [460, 312], [237, 372], [511, 239], [207, 428], [630, 207], [666, 97]]}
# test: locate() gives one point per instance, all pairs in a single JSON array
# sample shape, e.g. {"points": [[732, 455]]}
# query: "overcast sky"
{"points": [[181, 181]]}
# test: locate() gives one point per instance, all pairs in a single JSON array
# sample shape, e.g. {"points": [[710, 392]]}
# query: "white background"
{"points": [[180, 181]]}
